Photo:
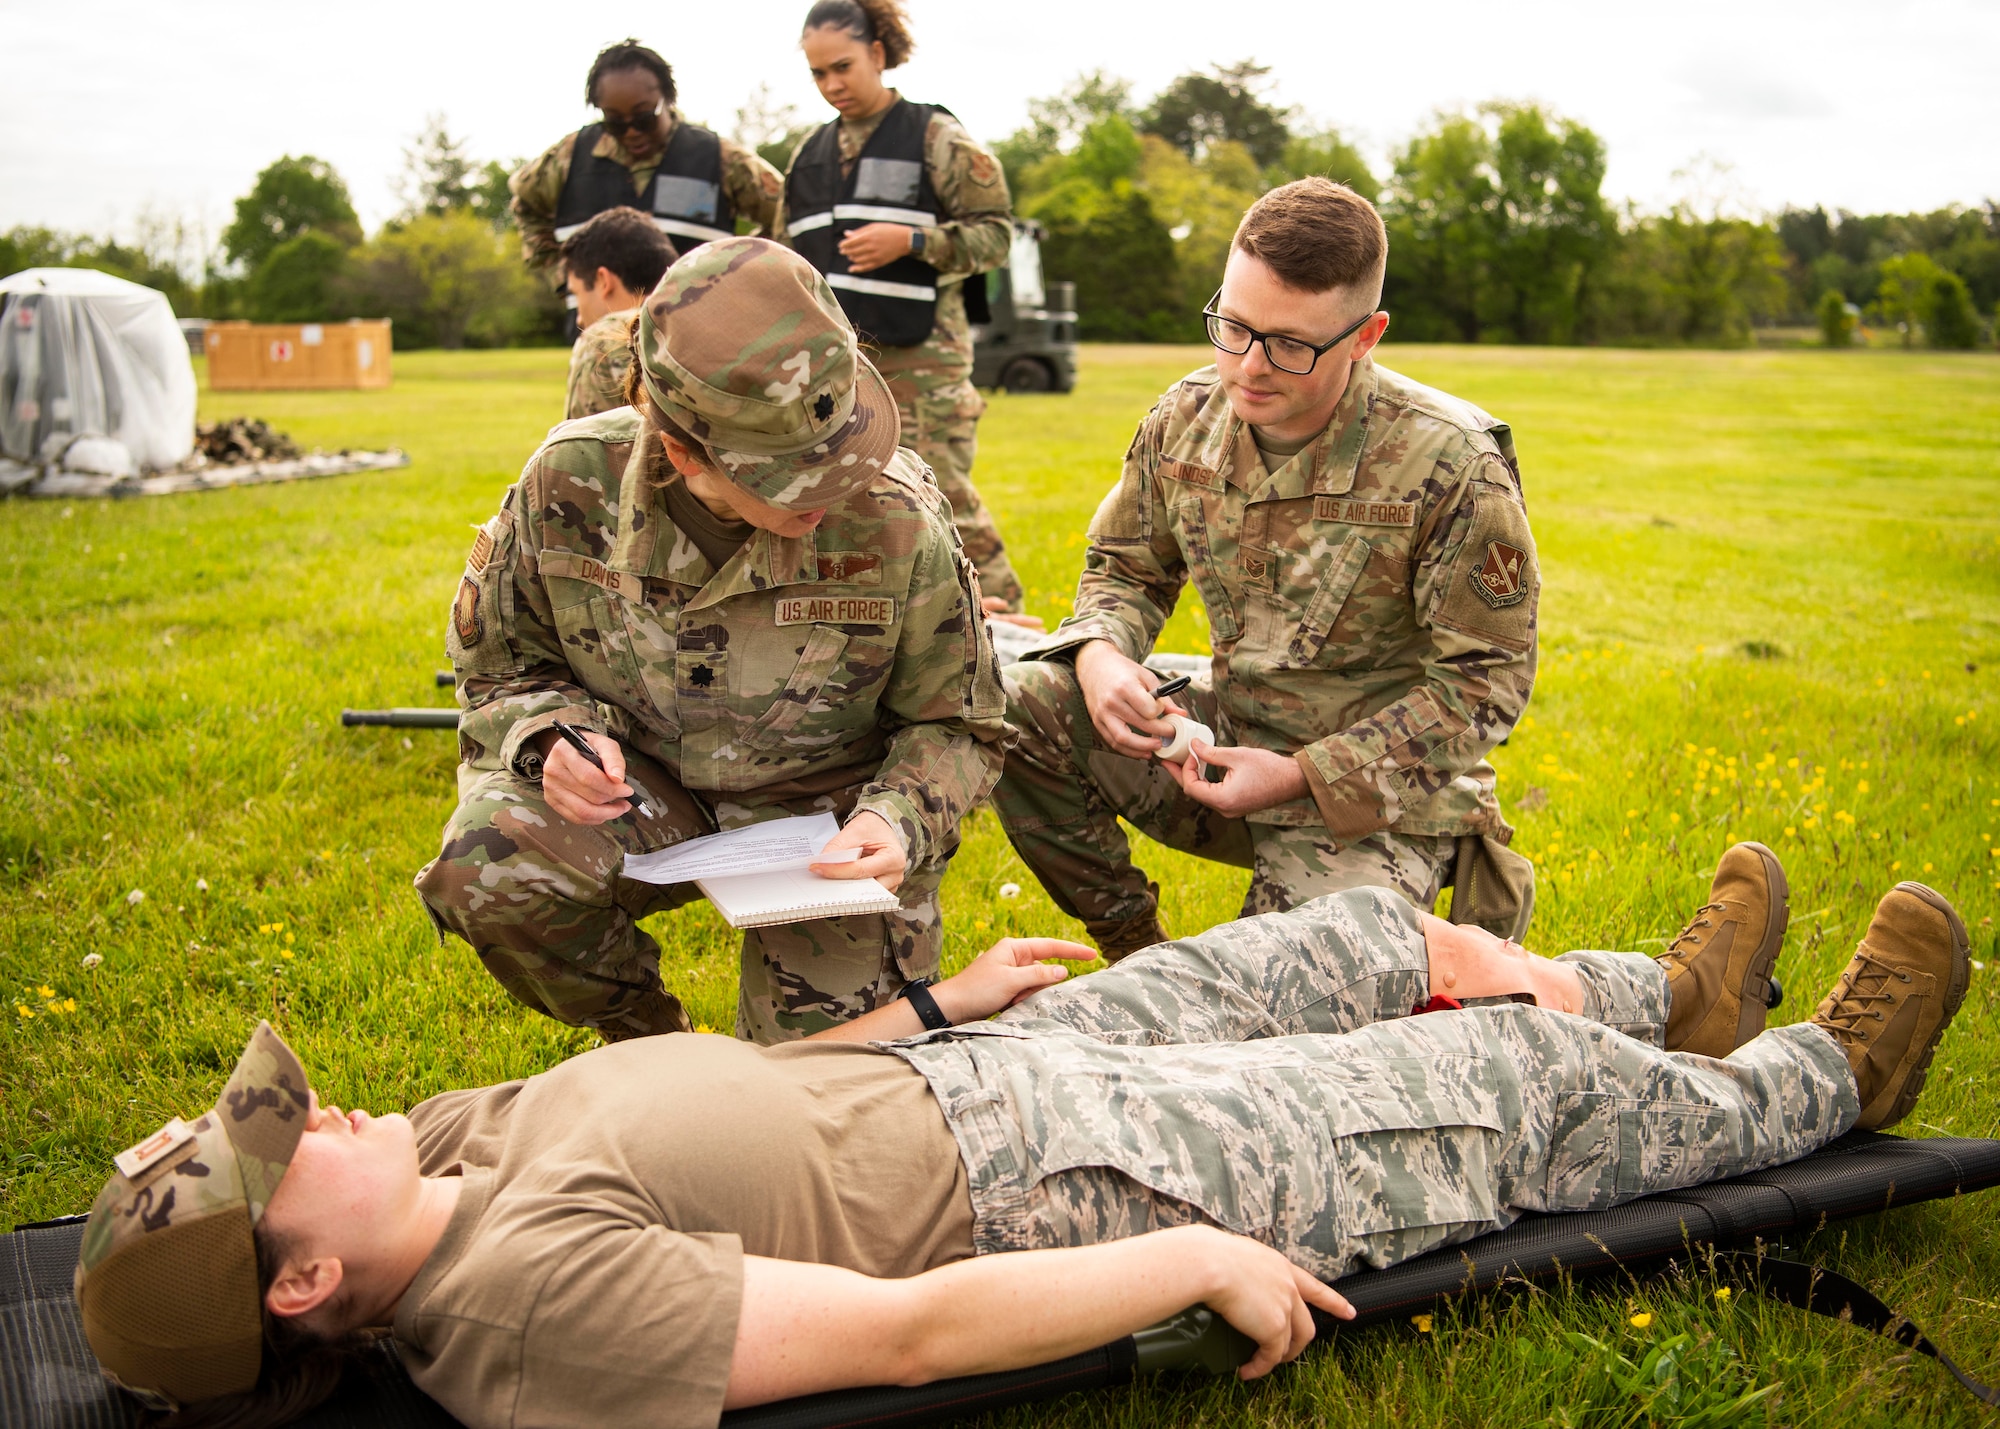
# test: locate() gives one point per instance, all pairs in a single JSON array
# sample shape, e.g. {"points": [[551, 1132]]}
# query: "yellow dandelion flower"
{"points": [[263, 927], [1792, 763], [1640, 1321], [1958, 720], [1674, 818], [46, 992], [1812, 823], [1927, 674], [1790, 831], [69, 1004], [1896, 865], [1631, 813], [703, 1027], [1928, 867], [1422, 1322], [288, 938], [285, 953], [1862, 788], [1723, 1293]]}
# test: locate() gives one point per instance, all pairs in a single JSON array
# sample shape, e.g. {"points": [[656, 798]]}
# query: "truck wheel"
{"points": [[1026, 374]]}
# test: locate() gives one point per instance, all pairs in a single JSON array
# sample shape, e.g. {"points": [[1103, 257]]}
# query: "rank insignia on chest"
{"points": [[701, 676], [1503, 580]]}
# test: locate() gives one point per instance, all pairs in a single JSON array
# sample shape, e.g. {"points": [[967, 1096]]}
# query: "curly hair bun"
{"points": [[868, 20]]}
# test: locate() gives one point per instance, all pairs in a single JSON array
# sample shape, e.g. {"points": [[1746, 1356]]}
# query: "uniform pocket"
{"points": [[830, 692], [1323, 608], [1606, 1150]]}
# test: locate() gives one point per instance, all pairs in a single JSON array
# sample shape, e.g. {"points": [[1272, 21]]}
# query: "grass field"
{"points": [[1770, 612]]}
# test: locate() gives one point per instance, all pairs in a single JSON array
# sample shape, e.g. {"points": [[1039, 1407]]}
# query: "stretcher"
{"points": [[48, 1379]]}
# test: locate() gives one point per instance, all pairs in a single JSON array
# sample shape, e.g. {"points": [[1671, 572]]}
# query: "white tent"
{"points": [[94, 374]]}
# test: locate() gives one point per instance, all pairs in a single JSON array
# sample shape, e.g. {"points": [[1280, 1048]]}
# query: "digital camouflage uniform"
{"points": [[932, 381], [1371, 605], [1268, 1077], [597, 365], [753, 187], [842, 670]]}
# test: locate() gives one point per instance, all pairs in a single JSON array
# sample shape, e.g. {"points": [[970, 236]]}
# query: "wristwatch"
{"points": [[918, 991], [916, 242]]}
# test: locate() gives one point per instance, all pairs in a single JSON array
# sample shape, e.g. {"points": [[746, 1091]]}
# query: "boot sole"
{"points": [[1753, 1011], [1954, 994]]}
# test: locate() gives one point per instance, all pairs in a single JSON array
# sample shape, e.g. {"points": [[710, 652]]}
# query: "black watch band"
{"points": [[929, 1013]]}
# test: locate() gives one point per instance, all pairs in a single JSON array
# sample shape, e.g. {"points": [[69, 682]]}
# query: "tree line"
{"points": [[1498, 226]]}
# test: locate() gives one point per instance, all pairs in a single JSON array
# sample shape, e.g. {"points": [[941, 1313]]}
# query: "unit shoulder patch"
{"points": [[1502, 579], [465, 618]]}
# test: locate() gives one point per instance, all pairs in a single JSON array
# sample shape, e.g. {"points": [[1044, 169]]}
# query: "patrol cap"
{"points": [[167, 1279], [745, 347]]}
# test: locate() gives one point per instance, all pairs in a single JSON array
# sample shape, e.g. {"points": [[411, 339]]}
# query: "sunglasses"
{"points": [[616, 124]]}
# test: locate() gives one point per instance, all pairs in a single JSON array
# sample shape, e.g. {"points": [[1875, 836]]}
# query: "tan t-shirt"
{"points": [[592, 1273]]}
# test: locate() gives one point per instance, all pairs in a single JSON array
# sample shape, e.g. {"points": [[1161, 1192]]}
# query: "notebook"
{"points": [[759, 876], [792, 895]]}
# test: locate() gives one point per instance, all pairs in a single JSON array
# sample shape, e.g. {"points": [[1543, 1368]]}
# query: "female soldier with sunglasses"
{"points": [[639, 154], [898, 206]]}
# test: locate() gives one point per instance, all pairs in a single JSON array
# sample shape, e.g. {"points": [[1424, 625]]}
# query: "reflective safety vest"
{"points": [[891, 306], [685, 198]]}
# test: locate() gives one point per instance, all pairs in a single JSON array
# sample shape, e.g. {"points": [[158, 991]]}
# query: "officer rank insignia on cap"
{"points": [[1502, 581], [136, 1161], [823, 407]]}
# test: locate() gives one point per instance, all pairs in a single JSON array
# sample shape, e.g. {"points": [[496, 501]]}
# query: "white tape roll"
{"points": [[1185, 731]]}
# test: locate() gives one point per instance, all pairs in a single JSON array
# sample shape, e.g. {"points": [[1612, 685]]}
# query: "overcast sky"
{"points": [[110, 108]]}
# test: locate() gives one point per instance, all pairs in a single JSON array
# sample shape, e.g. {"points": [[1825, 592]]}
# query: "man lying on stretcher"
{"points": [[689, 1223]]}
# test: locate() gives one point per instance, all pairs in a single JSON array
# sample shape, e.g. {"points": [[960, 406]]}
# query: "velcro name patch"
{"points": [[1176, 470], [576, 566], [836, 610], [1365, 513], [135, 1161], [850, 567]]}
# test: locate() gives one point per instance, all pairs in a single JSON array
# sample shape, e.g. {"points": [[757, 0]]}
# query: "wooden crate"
{"points": [[271, 356]]}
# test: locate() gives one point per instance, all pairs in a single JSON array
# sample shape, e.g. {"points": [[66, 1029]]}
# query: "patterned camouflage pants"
{"points": [[1062, 794], [1268, 1077], [542, 902], [940, 408]]}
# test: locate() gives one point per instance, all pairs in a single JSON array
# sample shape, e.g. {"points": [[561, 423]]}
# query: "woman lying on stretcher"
{"points": [[689, 1223]]}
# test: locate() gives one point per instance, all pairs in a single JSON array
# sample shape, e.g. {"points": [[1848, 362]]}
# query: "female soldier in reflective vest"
{"points": [[639, 154], [897, 205]]}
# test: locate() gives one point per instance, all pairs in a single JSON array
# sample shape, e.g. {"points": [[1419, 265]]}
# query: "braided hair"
{"points": [[629, 54]]}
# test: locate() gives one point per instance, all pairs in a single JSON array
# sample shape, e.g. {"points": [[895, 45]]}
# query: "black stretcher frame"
{"points": [[48, 1379]]}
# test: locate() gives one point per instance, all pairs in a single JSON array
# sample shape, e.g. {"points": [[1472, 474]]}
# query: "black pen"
{"points": [[576, 741], [1173, 686]]}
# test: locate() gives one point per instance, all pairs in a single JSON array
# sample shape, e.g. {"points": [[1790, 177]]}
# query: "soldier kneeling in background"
{"points": [[610, 264], [755, 605]]}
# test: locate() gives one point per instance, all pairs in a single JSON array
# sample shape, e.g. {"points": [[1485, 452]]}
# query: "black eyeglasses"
{"points": [[619, 124], [1287, 354]]}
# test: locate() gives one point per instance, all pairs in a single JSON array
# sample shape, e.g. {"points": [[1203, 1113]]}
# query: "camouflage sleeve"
{"points": [[513, 679], [945, 697], [597, 367], [1133, 568], [535, 188], [972, 187], [780, 219], [753, 186], [1476, 589]]}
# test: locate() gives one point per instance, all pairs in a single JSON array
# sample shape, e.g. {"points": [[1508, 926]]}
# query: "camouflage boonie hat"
{"points": [[745, 347], [167, 1280]]}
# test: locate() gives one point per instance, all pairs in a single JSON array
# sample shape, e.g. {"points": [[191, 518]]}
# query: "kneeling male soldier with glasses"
{"points": [[1362, 553], [753, 604]]}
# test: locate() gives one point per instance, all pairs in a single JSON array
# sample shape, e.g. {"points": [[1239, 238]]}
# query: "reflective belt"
{"points": [[878, 213], [666, 225], [881, 289]]}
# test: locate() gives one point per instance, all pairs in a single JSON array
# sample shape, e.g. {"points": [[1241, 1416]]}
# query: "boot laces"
{"points": [[1682, 947], [1867, 985]]}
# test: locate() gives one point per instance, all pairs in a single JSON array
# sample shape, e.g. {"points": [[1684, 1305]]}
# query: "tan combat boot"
{"points": [[1719, 968], [1899, 993]]}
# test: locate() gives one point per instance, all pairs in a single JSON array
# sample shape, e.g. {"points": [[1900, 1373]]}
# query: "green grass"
{"points": [[1770, 613]]}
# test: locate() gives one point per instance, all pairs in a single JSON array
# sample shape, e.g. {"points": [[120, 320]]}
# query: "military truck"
{"points": [[1025, 341]]}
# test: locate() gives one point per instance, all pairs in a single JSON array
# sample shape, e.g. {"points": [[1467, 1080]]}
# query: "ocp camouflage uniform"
{"points": [[1267, 1077], [597, 365], [1371, 605], [836, 671], [932, 381], [752, 185]]}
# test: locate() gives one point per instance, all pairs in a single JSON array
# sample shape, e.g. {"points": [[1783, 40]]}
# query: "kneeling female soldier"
{"points": [[753, 604]]}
